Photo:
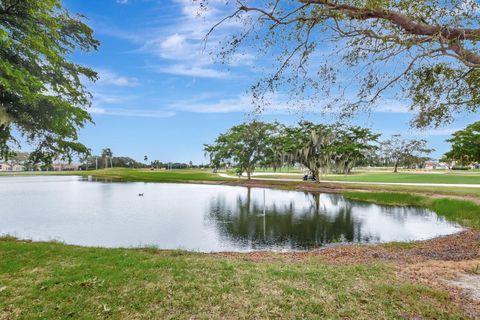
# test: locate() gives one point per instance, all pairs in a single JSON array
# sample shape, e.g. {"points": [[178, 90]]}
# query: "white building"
{"points": [[11, 167], [434, 165]]}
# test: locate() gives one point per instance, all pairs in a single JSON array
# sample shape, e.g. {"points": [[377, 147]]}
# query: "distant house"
{"points": [[434, 165], [11, 167], [66, 167]]}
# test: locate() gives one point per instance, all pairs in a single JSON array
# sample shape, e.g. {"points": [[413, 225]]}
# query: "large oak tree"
{"points": [[246, 145], [358, 51], [465, 148], [42, 97]]}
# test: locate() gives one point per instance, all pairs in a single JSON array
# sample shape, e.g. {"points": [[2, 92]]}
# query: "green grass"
{"points": [[182, 175], [56, 281], [278, 170], [125, 174], [451, 178], [390, 177], [147, 175], [461, 211]]}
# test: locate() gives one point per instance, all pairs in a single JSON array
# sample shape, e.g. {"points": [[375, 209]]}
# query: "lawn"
{"points": [[124, 174], [390, 177], [181, 175], [452, 178], [56, 281]]}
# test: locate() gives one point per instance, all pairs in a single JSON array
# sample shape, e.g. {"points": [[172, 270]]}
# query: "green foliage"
{"points": [[318, 147], [465, 145], [42, 95], [246, 145]]}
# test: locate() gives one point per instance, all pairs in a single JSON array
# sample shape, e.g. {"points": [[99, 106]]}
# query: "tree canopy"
{"points": [[327, 148], [398, 150], [321, 148], [246, 145], [42, 96], [465, 147], [358, 51]]}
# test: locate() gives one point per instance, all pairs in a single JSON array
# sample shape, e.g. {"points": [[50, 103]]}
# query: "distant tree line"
{"points": [[107, 160], [322, 148]]}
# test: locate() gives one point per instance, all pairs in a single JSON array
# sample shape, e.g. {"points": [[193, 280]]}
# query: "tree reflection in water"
{"points": [[286, 224]]}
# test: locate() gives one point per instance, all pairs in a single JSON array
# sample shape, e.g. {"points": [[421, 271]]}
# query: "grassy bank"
{"points": [[463, 212], [471, 193], [447, 178], [182, 175], [125, 174], [52, 281], [389, 177]]}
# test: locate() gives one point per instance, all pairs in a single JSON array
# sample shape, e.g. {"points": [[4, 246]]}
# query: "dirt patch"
{"points": [[469, 283], [455, 277], [452, 196]]}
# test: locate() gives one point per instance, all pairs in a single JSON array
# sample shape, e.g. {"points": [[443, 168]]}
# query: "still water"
{"points": [[205, 218]]}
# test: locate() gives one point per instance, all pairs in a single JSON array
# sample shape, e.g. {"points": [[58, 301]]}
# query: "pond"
{"points": [[206, 218]]}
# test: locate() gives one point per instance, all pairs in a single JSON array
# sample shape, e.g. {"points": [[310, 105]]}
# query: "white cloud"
{"points": [[194, 71], [122, 1], [180, 41], [277, 103], [436, 132], [106, 77], [241, 103], [173, 42], [100, 98], [392, 106], [113, 104], [132, 112]]}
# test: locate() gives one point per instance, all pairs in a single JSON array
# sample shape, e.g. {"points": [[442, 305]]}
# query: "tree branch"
{"points": [[401, 20]]}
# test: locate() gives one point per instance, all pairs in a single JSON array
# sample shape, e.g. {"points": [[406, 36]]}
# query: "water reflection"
{"points": [[284, 224], [321, 219], [199, 217]]}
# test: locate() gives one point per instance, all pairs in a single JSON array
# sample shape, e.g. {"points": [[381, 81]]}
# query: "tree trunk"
{"points": [[249, 173], [395, 168]]}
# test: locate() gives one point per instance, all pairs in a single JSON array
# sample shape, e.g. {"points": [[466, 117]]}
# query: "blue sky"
{"points": [[160, 93]]}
